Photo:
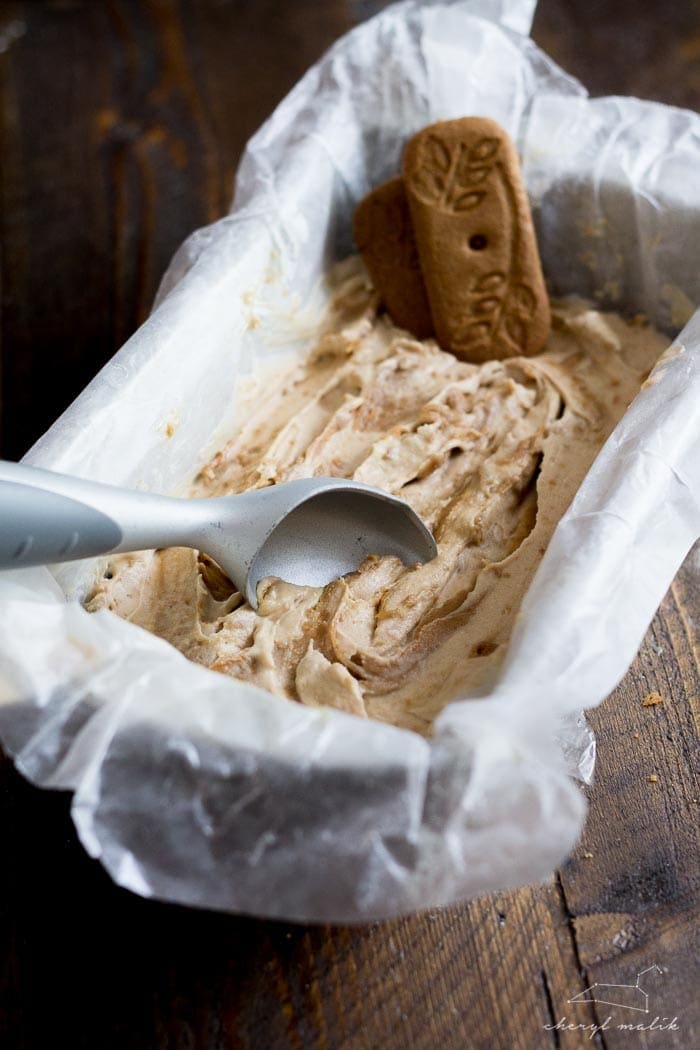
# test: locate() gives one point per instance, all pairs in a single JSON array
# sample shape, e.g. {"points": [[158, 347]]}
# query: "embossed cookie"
{"points": [[473, 227], [384, 237]]}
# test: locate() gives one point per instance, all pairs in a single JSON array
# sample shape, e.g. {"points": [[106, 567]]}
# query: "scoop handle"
{"points": [[47, 517], [39, 527]]}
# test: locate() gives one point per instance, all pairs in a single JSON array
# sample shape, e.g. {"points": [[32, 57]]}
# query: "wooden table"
{"points": [[120, 128]]}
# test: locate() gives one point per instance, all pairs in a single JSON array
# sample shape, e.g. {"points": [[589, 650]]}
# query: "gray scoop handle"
{"points": [[47, 517]]}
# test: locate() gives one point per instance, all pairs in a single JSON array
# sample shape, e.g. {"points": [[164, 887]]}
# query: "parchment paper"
{"points": [[196, 788]]}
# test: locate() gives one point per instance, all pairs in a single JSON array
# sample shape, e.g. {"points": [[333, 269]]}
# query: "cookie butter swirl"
{"points": [[490, 455]]}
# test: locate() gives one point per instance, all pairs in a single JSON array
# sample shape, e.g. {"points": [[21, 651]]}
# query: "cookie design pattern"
{"points": [[476, 240]]}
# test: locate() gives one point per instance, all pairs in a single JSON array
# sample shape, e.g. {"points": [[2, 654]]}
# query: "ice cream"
{"points": [[490, 455]]}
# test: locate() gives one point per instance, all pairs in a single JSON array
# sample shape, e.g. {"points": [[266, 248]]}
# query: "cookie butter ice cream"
{"points": [[490, 455]]}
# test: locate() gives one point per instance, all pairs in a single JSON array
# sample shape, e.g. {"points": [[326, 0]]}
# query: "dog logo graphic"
{"points": [[628, 996]]}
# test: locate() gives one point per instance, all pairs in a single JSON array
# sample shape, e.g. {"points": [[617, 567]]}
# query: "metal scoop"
{"points": [[309, 531]]}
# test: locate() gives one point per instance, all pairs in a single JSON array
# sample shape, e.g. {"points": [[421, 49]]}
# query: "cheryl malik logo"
{"points": [[632, 997], [627, 996]]}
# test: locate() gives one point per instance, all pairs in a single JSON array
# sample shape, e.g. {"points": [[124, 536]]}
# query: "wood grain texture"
{"points": [[121, 125], [120, 128]]}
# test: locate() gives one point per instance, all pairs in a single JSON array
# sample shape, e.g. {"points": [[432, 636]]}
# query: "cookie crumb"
{"points": [[587, 855], [636, 736], [653, 779], [652, 698]]}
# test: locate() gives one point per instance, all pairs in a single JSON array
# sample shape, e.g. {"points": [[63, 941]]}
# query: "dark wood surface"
{"points": [[120, 128]]}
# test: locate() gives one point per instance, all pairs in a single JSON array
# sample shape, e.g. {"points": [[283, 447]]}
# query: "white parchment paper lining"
{"points": [[196, 788]]}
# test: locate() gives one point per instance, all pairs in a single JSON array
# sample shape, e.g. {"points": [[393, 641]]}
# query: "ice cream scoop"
{"points": [[309, 531]]}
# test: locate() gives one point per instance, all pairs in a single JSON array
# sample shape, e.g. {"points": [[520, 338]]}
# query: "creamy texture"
{"points": [[490, 455]]}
